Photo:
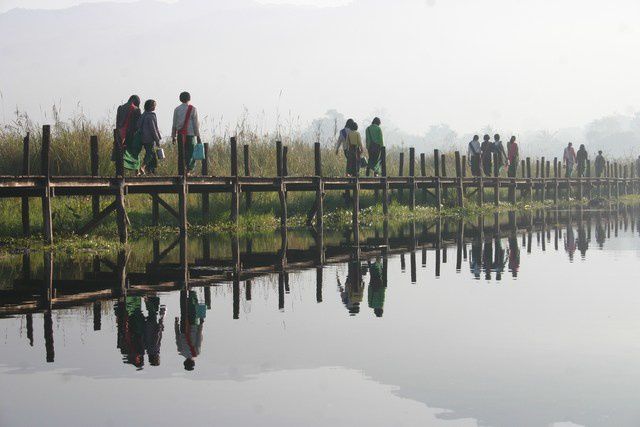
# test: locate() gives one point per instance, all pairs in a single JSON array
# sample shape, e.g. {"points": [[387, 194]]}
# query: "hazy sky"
{"points": [[513, 65]]}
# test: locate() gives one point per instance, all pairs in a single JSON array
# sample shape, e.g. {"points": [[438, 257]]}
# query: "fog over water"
{"points": [[435, 70]]}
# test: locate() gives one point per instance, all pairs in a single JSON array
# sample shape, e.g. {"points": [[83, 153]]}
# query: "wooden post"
{"points": [[46, 197], [356, 206], [423, 172], [285, 161], [459, 182], [385, 183], [205, 195], [235, 196], [26, 171], [279, 159], [121, 212], [436, 173], [543, 181], [155, 209], [247, 172], [182, 190], [320, 185], [443, 173], [95, 167], [496, 180], [556, 171], [281, 189], [401, 173], [412, 174], [529, 183]]}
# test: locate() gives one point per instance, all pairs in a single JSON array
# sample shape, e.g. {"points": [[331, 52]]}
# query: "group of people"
{"points": [[350, 140], [138, 130], [490, 156]]}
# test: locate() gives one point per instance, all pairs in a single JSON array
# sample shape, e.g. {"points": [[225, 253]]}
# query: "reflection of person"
{"points": [[487, 255], [189, 328], [514, 255], [153, 328], [583, 242], [376, 291], [601, 234], [570, 242], [499, 259], [131, 325], [352, 291], [476, 258]]}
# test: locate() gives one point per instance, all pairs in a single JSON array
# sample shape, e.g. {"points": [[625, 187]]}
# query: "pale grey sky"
{"points": [[514, 65]]}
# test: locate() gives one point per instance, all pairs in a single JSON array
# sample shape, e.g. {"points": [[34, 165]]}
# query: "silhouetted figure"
{"points": [[569, 159], [352, 291], [487, 153], [581, 158], [500, 153], [514, 255], [377, 289], [374, 142], [600, 164], [131, 324], [513, 157], [474, 153], [189, 328]]}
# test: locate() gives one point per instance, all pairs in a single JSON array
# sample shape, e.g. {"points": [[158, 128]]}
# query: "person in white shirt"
{"points": [[473, 154], [186, 129]]}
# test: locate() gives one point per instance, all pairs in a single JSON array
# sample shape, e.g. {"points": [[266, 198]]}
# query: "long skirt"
{"points": [[189, 145], [375, 161]]}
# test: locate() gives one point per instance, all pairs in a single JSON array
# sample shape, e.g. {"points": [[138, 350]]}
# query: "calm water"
{"points": [[535, 327]]}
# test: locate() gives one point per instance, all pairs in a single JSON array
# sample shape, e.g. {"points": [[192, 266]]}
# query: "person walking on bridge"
{"points": [[581, 157], [473, 154], [513, 157], [487, 152], [374, 141], [600, 164], [150, 137], [500, 153], [351, 143], [569, 159], [186, 129], [127, 117]]}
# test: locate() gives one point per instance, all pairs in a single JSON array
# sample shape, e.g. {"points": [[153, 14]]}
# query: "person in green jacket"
{"points": [[374, 143]]}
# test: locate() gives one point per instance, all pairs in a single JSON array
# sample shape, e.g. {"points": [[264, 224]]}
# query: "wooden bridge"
{"points": [[539, 180]]}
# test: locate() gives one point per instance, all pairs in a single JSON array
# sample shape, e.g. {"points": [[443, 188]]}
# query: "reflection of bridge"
{"points": [[615, 180], [110, 279]]}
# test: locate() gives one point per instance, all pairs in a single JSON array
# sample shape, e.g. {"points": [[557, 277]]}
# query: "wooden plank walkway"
{"points": [[615, 181]]}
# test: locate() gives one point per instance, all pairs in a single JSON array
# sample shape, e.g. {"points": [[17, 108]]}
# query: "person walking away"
{"points": [[186, 129], [501, 155], [600, 164], [569, 159], [473, 155], [487, 152], [513, 157], [150, 137], [374, 142], [127, 116], [581, 157], [351, 143], [342, 142]]}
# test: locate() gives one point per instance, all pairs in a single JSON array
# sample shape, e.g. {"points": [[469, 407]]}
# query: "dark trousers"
{"points": [[475, 165]]}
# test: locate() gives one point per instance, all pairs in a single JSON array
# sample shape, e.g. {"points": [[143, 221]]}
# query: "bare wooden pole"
{"points": [[412, 174], [121, 212], [459, 181], [423, 172], [385, 183], [95, 167], [436, 173], [247, 172], [235, 194], [319, 186], [401, 173], [282, 188], [46, 197], [496, 178], [205, 195], [182, 190], [26, 171]]}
